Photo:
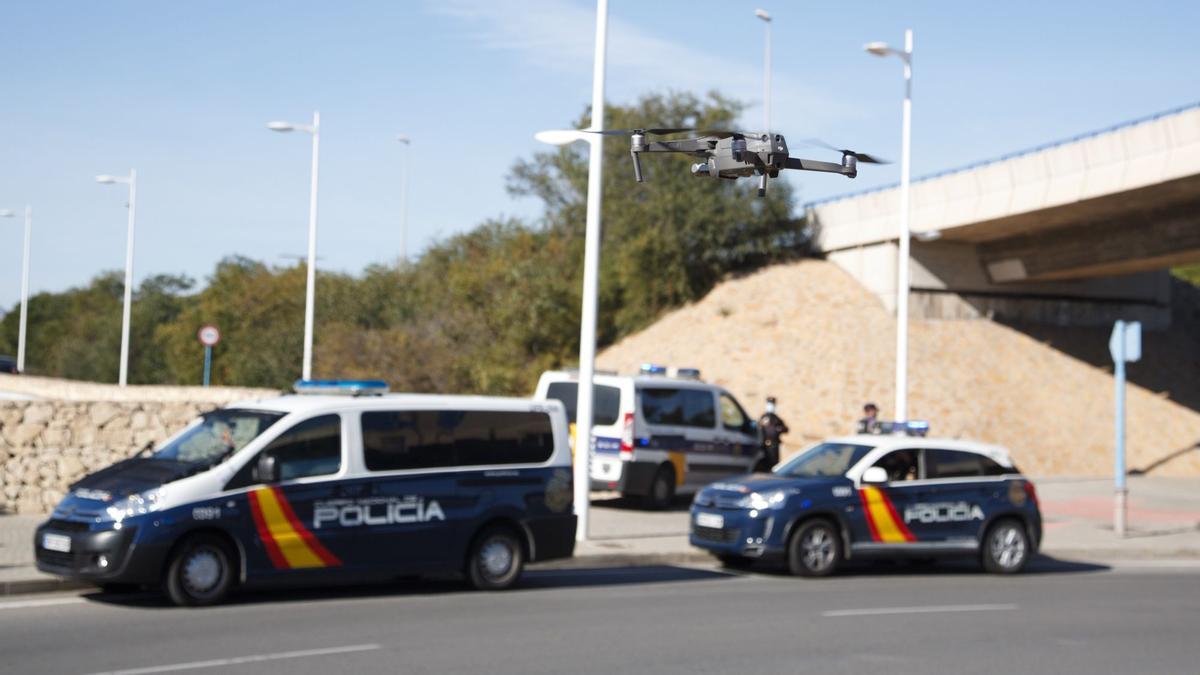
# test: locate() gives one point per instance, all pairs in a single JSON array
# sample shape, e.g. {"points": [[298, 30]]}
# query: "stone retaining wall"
{"points": [[47, 445]]}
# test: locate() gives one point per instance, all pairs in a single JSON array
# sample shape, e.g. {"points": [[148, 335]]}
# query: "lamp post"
{"points": [[403, 138], [762, 14], [310, 287], [591, 272], [902, 262], [131, 181], [6, 213]]}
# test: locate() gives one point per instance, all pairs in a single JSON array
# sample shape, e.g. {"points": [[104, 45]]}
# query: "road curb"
{"points": [[31, 586]]}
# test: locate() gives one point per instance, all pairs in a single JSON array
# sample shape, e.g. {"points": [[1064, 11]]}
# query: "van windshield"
{"points": [[218, 435], [606, 401], [826, 459]]}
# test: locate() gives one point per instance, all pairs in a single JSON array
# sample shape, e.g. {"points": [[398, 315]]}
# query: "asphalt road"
{"points": [[1062, 618]]}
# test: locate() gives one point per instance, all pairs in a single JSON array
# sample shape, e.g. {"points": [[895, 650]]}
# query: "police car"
{"points": [[659, 433], [874, 496], [326, 487]]}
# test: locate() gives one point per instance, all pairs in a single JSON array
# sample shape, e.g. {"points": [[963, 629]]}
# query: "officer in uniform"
{"points": [[867, 424], [770, 427]]}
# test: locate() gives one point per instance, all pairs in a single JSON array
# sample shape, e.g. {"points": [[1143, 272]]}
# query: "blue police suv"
{"points": [[874, 496]]}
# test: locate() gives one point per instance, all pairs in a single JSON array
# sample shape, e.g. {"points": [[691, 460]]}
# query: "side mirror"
{"points": [[875, 474], [267, 470]]}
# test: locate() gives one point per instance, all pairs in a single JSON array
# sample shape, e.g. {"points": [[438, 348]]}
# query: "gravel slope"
{"points": [[808, 334]]}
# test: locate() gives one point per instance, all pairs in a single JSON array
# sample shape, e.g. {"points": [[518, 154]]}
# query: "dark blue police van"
{"points": [[874, 496], [308, 489]]}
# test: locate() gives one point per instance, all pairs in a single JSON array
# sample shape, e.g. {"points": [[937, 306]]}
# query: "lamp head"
{"points": [[7, 213], [878, 48], [281, 126], [560, 136], [106, 179], [762, 14], [403, 138]]}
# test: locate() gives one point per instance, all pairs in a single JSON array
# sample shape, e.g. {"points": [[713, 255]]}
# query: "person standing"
{"points": [[770, 428], [866, 425]]}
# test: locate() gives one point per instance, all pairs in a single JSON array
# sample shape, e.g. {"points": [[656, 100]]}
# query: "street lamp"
{"points": [[902, 262], [403, 138], [762, 14], [131, 181], [7, 213], [591, 272], [310, 287]]}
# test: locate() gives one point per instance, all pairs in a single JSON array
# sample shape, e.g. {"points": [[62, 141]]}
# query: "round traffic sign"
{"points": [[209, 335]]}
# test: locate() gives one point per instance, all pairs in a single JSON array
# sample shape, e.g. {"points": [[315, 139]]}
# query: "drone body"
{"points": [[725, 154]]}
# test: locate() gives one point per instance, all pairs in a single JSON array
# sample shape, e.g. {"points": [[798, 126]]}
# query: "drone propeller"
{"points": [[860, 156]]}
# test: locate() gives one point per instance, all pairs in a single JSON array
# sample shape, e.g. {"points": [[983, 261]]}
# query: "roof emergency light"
{"points": [[653, 369], [687, 373], [341, 387]]}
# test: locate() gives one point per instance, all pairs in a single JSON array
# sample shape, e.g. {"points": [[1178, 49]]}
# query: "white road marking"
{"points": [[930, 609], [254, 658], [23, 604]]}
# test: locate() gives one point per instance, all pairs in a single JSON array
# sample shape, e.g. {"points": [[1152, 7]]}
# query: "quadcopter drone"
{"points": [[733, 155]]}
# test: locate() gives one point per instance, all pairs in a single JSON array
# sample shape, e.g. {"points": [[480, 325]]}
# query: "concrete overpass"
{"points": [[1076, 232]]}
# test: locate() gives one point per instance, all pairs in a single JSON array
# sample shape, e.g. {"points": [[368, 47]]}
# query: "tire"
{"points": [[1006, 548], [662, 489], [202, 570], [815, 549], [495, 560]]}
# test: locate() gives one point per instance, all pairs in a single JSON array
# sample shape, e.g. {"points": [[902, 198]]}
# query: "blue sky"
{"points": [[182, 92]]}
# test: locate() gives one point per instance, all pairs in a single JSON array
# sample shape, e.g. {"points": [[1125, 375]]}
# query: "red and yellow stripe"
{"points": [[289, 544], [885, 525]]}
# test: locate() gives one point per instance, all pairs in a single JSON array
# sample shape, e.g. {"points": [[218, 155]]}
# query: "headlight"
{"points": [[136, 505], [766, 500]]}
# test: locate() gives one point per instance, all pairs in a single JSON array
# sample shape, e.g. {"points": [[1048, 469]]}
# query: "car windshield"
{"points": [[217, 435], [826, 459]]}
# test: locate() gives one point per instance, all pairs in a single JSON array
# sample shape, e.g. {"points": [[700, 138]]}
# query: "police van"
{"points": [[874, 496], [659, 433], [322, 487]]}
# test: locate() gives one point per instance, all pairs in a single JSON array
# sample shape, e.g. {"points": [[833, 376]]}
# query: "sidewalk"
{"points": [[1164, 522]]}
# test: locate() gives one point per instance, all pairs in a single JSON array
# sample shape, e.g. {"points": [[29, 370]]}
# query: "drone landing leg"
{"points": [[762, 184]]}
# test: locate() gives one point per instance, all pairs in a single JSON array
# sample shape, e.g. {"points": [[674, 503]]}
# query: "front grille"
{"points": [[66, 526], [715, 534], [56, 558]]}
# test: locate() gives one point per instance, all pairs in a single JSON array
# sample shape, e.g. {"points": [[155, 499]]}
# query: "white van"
{"points": [[657, 435]]}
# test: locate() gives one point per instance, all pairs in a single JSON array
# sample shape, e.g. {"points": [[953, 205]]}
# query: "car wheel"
{"points": [[1005, 547], [496, 560], [201, 571], [815, 550], [662, 490]]}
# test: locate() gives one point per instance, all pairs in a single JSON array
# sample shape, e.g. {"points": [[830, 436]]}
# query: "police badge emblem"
{"points": [[558, 491]]}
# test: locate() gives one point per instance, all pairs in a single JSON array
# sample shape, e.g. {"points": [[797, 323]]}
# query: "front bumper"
{"points": [[102, 556], [744, 532]]}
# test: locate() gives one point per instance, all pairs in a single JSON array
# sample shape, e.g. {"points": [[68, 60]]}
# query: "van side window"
{"points": [[311, 448], [679, 407], [423, 439], [732, 415], [606, 401]]}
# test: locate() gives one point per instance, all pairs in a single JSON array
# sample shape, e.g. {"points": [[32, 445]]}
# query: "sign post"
{"points": [[209, 336], [1125, 345]]}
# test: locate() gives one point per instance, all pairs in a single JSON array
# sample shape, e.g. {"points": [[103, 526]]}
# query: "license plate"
{"points": [[56, 542], [710, 520]]}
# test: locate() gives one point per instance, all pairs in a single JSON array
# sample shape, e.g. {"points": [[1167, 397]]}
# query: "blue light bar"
{"points": [[341, 387], [653, 369], [917, 427]]}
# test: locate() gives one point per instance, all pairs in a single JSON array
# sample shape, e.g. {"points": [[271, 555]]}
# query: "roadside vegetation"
{"points": [[481, 312]]}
